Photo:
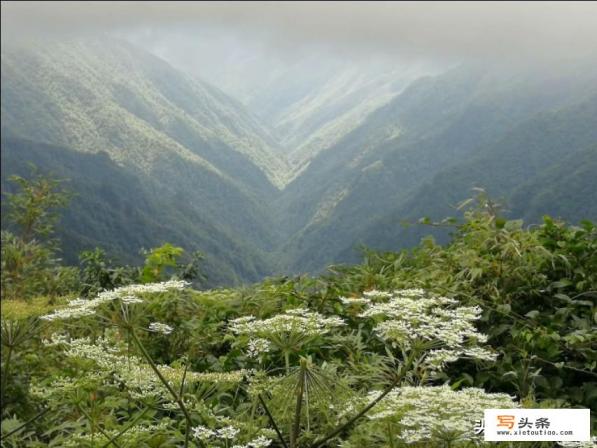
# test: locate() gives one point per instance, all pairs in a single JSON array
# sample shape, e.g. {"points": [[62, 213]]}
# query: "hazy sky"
{"points": [[214, 38], [458, 29]]}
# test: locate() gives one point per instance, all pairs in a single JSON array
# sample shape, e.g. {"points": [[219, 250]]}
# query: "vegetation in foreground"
{"points": [[405, 349]]}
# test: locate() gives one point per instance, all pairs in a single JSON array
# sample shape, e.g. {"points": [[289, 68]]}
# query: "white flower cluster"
{"points": [[128, 294], [430, 414], [376, 294], [257, 346], [354, 300], [296, 321], [132, 435], [410, 316], [202, 432], [140, 380], [158, 327], [175, 375], [259, 442], [228, 433], [62, 386]]}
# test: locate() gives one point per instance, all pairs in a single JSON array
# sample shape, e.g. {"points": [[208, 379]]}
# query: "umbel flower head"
{"points": [[298, 321], [413, 318], [127, 294], [227, 433], [257, 346], [431, 415], [112, 361], [288, 331], [158, 327]]}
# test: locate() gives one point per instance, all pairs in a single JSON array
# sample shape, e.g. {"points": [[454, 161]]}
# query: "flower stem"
{"points": [[92, 420], [6, 373], [386, 391], [18, 428], [166, 384], [287, 362], [272, 421], [350, 422], [300, 388]]}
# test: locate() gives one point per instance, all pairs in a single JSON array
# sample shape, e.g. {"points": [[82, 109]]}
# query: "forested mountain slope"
{"points": [[153, 155], [445, 135], [311, 103], [123, 212], [544, 166], [301, 176], [105, 95]]}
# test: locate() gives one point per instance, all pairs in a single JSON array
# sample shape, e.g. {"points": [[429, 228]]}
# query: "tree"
{"points": [[33, 209], [158, 260], [28, 262]]}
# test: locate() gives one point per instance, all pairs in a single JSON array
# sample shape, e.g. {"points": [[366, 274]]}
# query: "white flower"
{"points": [[257, 346], [159, 327], [242, 320], [354, 300], [260, 442], [374, 293], [113, 362], [296, 321], [128, 294], [203, 433], [228, 432], [129, 437], [426, 414], [55, 339], [412, 317], [129, 300], [590, 444]]}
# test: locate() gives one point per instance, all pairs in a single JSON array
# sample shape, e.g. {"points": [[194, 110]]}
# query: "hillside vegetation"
{"points": [[343, 359], [314, 166]]}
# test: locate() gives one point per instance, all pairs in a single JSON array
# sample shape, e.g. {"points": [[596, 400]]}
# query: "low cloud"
{"points": [[449, 30]]}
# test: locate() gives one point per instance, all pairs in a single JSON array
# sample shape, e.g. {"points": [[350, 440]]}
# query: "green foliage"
{"points": [[537, 288], [118, 210], [99, 273], [168, 261], [189, 269], [29, 266], [316, 375], [33, 209], [24, 266], [158, 260]]}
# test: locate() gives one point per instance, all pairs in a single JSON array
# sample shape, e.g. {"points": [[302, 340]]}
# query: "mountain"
{"points": [[565, 189], [124, 212], [107, 95], [301, 169], [318, 113], [426, 149], [311, 103], [543, 166], [190, 163]]}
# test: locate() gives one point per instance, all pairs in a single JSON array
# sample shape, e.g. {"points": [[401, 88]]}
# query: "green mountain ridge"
{"points": [[156, 155], [95, 95], [123, 212], [410, 176], [177, 149], [552, 176]]}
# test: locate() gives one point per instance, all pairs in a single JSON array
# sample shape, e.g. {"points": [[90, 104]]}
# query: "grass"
{"points": [[38, 306]]}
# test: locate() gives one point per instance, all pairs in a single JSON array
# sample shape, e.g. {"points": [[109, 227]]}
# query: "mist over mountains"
{"points": [[297, 172]]}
